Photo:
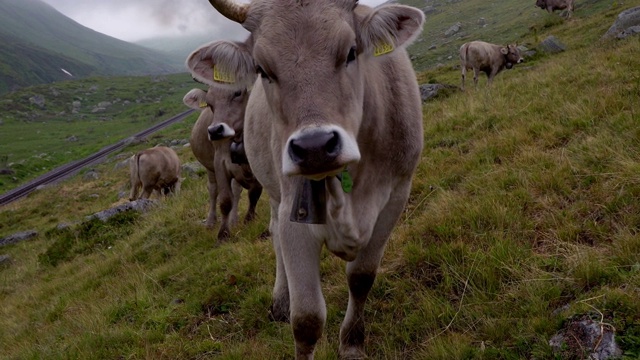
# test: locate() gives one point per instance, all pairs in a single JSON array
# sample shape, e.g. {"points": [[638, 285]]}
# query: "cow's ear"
{"points": [[223, 64], [196, 99], [389, 27], [504, 50]]}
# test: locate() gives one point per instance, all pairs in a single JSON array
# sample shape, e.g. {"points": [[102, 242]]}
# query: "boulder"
{"points": [[18, 237], [454, 29], [140, 205], [432, 91], [583, 338], [625, 20], [552, 45]]}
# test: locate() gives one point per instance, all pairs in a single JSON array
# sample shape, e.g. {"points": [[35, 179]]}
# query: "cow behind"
{"points": [[333, 131], [155, 169], [553, 5], [488, 58], [218, 128]]}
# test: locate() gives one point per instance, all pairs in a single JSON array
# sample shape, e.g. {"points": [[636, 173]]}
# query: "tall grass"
{"points": [[524, 212]]}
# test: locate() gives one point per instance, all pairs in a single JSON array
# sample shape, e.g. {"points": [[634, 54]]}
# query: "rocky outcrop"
{"points": [[627, 23]]}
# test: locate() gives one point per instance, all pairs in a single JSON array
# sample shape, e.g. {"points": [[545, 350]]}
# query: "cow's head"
{"points": [[228, 107], [311, 57], [541, 4], [512, 55]]}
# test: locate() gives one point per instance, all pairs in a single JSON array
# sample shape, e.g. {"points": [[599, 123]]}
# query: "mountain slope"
{"points": [[29, 27]]}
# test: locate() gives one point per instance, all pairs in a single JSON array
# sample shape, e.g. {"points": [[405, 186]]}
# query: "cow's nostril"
{"points": [[333, 145], [315, 148]]}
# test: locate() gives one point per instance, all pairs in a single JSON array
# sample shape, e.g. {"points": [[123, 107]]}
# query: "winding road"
{"points": [[69, 169]]}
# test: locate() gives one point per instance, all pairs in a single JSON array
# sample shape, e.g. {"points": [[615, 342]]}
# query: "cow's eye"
{"points": [[237, 93], [352, 55]]}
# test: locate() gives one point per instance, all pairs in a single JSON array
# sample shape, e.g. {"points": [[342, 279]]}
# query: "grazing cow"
{"points": [[553, 5], [157, 168], [333, 131], [217, 131], [488, 58]]}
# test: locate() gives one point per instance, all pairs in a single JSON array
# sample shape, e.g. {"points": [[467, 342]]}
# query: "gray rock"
{"points": [[431, 91], [18, 237], [625, 20], [140, 205], [37, 100], [104, 104], [632, 30], [552, 45], [76, 104], [5, 260], [482, 21], [98, 110], [429, 9], [453, 29], [91, 175], [192, 169], [72, 138], [579, 338], [122, 164]]}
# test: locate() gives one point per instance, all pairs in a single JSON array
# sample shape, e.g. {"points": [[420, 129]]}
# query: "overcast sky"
{"points": [[133, 20]]}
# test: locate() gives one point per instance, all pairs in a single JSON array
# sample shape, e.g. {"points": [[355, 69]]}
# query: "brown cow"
{"points": [[553, 5], [333, 131], [488, 58], [157, 168], [212, 136]]}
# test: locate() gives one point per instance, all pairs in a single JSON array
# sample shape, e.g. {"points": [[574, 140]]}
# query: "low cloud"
{"points": [[133, 20]]}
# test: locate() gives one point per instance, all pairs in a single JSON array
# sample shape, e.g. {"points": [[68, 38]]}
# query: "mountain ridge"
{"points": [[29, 27]]}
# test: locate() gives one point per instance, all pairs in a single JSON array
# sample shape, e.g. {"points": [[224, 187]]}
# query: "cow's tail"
{"points": [[135, 176], [464, 55]]}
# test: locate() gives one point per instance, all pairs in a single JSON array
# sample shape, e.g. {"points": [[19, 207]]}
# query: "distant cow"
{"points": [[333, 131], [553, 5], [158, 169], [218, 130], [488, 58]]}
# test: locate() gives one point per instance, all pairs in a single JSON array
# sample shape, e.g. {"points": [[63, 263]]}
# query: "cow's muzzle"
{"points": [[318, 152], [220, 131]]}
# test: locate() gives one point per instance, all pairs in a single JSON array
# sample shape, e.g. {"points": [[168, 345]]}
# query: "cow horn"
{"points": [[231, 10]]}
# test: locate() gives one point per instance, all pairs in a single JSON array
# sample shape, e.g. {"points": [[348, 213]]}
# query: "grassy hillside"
{"points": [[35, 27], [499, 22], [524, 213], [43, 127]]}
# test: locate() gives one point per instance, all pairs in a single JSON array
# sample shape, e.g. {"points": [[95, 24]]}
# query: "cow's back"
{"points": [[479, 54], [159, 165]]}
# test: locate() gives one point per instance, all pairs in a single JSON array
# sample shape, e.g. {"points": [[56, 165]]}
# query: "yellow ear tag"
{"points": [[382, 49], [222, 76], [202, 104]]}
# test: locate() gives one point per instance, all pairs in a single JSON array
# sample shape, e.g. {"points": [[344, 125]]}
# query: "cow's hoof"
{"points": [[208, 224], [249, 217], [352, 352], [224, 235]]}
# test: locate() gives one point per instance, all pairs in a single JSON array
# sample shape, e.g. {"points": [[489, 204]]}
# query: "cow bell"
{"points": [[238, 155], [310, 202]]}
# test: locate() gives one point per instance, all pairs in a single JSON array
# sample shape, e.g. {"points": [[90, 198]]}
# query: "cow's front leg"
{"points": [[226, 203], [212, 187], [254, 195], [361, 274], [301, 255], [280, 306], [236, 192]]}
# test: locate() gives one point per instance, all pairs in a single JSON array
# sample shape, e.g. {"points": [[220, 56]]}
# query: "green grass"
{"points": [[524, 213], [35, 140]]}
